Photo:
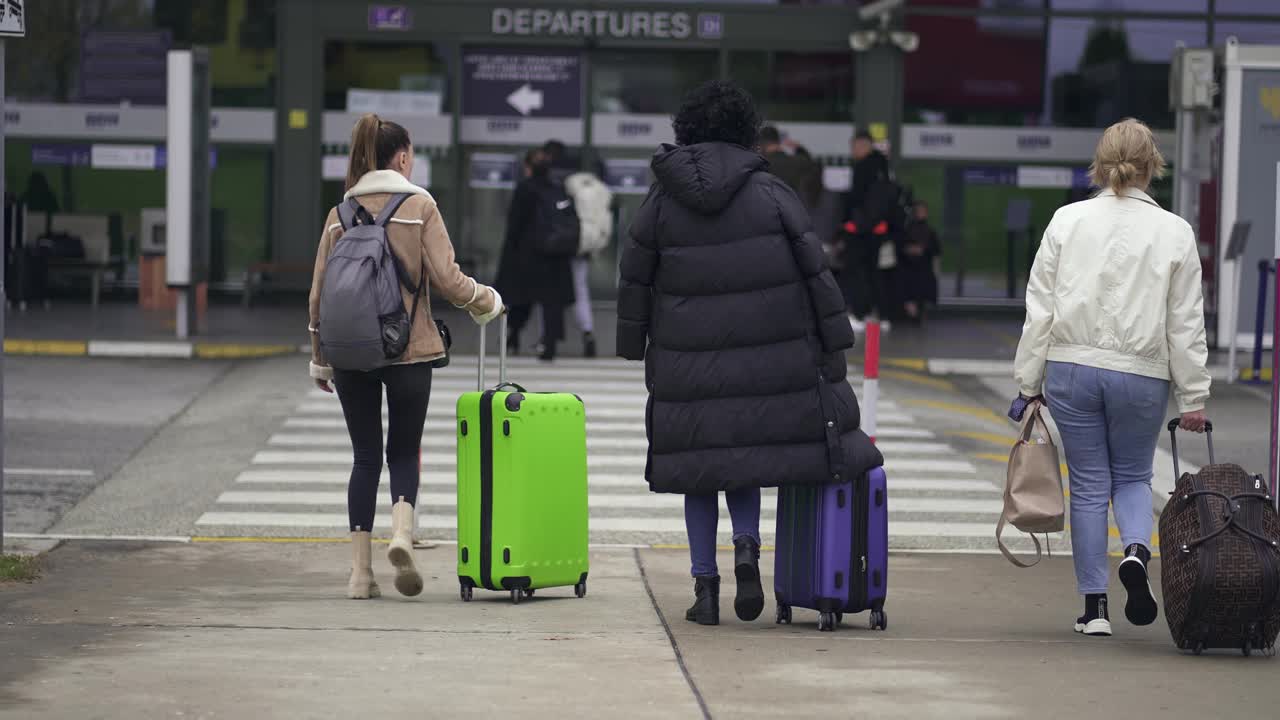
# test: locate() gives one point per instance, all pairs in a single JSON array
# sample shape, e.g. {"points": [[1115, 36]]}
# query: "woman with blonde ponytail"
{"points": [[1115, 317], [378, 172]]}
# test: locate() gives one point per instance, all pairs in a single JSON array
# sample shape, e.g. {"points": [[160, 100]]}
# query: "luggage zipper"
{"points": [[486, 490], [861, 498]]}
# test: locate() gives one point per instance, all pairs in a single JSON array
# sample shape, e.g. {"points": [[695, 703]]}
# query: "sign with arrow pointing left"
{"points": [[522, 83], [520, 96]]}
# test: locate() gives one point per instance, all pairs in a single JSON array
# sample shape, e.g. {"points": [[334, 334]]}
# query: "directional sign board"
{"points": [[521, 96], [13, 20]]}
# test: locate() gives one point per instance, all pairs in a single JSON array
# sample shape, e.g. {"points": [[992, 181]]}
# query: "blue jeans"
{"points": [[702, 516], [1110, 422]]}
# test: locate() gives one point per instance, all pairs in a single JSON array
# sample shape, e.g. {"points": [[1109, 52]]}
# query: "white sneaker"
{"points": [[1097, 627]]}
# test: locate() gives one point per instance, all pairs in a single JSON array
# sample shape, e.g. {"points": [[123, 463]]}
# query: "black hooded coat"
{"points": [[726, 295]]}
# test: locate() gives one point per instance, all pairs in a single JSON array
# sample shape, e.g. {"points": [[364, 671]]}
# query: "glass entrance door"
{"points": [[631, 95]]}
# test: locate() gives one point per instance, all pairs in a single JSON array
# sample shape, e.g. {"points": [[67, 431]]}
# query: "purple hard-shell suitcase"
{"points": [[833, 550]]}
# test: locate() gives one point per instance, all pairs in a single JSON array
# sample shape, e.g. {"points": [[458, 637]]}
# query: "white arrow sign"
{"points": [[525, 99]]}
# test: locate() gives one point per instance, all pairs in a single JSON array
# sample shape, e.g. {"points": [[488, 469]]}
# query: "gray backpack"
{"points": [[363, 323]]}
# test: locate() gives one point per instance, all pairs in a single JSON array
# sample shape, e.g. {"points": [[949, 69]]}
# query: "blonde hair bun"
{"points": [[1126, 157]]}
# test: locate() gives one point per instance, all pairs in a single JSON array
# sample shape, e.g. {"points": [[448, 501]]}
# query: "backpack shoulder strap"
{"points": [[389, 211], [347, 213]]}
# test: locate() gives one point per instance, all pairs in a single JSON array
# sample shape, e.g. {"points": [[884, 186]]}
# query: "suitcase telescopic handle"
{"points": [[502, 352], [1173, 439]]}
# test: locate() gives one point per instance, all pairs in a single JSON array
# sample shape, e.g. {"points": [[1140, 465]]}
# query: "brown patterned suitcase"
{"points": [[1220, 559]]}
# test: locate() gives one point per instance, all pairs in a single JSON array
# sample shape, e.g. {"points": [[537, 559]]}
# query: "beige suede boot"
{"points": [[408, 580], [362, 585]]}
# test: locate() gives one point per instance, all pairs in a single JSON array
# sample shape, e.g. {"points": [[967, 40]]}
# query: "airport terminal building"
{"points": [[990, 117]]}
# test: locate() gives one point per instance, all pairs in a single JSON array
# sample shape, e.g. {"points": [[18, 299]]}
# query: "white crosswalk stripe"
{"points": [[295, 485]]}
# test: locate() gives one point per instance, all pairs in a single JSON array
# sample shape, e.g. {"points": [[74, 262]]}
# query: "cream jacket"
{"points": [[1116, 285], [418, 237]]}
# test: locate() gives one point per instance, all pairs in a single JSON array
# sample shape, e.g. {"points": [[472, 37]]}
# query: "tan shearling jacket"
{"points": [[418, 237]]}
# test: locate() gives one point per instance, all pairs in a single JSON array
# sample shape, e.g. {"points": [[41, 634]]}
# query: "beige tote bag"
{"points": [[1033, 492]]}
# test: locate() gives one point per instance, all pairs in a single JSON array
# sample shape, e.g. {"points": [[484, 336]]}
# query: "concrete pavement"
{"points": [[122, 630]]}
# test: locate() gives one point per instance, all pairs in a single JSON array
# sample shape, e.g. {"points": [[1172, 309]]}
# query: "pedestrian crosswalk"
{"points": [[295, 484]]}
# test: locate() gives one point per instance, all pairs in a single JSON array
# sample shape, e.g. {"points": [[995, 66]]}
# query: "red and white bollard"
{"points": [[871, 379]]}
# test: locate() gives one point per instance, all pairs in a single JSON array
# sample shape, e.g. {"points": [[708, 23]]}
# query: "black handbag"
{"points": [[447, 337]]}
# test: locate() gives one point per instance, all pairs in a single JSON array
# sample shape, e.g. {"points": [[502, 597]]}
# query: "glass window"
{"points": [[1248, 7], [971, 69], [114, 51], [1172, 6], [382, 66], [1101, 71], [1246, 32], [647, 81], [976, 4], [797, 87]]}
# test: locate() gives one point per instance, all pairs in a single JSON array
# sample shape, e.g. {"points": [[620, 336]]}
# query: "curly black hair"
{"points": [[717, 111]]}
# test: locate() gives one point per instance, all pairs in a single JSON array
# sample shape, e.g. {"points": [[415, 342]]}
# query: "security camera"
{"points": [[876, 9], [863, 40]]}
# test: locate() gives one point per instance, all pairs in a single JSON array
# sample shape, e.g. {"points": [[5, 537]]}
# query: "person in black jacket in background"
{"points": [[726, 296], [864, 229], [917, 277], [525, 275]]}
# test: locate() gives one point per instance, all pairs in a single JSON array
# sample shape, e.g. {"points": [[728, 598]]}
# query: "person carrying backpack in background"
{"points": [[543, 234], [371, 326], [594, 205]]}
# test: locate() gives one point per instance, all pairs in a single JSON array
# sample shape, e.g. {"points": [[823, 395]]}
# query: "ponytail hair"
{"points": [[374, 142], [1127, 157]]}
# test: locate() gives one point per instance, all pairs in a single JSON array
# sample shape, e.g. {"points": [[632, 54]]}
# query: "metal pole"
{"points": [[4, 300], [1260, 318], [1275, 358], [1237, 271], [1011, 264]]}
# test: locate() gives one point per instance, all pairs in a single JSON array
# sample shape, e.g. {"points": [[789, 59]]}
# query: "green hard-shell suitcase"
{"points": [[522, 487]]}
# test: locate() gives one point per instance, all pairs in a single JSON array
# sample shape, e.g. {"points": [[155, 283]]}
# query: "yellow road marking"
{"points": [[904, 376], [1247, 374], [227, 351], [993, 438], [972, 410], [61, 348], [916, 364], [243, 539]]}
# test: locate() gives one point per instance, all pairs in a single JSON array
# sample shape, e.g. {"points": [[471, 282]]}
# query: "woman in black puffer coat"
{"points": [[726, 296]]}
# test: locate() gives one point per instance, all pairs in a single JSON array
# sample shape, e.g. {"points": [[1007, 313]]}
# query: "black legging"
{"points": [[408, 390]]}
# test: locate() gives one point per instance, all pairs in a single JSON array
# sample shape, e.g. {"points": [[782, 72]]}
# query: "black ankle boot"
{"points": [[548, 352], [706, 604], [749, 602], [589, 345]]}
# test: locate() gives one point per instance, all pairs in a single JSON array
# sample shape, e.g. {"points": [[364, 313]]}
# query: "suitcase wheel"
{"points": [[879, 620], [784, 615], [528, 593], [516, 594], [826, 622], [465, 592], [580, 589]]}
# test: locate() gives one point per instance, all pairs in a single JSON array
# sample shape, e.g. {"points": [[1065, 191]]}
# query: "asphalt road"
{"points": [[70, 423]]}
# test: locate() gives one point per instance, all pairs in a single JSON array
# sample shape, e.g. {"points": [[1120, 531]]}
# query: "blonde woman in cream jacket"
{"points": [[379, 167], [1115, 320]]}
